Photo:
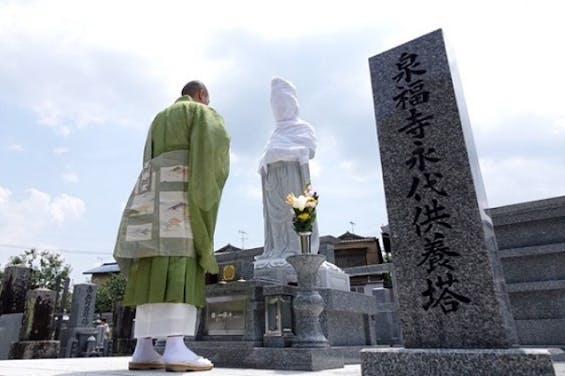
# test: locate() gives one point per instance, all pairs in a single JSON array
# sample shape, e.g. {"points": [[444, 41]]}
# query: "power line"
{"points": [[61, 250]]}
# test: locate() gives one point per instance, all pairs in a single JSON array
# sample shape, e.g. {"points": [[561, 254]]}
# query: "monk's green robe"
{"points": [[166, 238]]}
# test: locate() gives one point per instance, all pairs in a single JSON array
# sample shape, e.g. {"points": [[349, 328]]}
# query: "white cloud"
{"points": [[559, 126], [70, 177], [4, 195], [29, 219], [15, 147], [65, 114], [253, 191], [530, 174], [65, 207], [315, 168], [234, 157], [61, 150], [346, 165]]}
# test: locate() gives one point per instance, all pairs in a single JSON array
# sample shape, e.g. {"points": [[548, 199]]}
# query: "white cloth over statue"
{"points": [[284, 169]]}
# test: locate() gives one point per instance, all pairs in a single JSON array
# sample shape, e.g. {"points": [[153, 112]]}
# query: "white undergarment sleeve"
{"points": [[165, 319]]}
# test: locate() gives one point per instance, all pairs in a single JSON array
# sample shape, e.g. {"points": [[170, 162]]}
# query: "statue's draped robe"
{"points": [[284, 169]]}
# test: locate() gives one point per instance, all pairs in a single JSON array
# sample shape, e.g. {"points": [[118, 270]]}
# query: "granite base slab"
{"points": [[10, 325], [456, 362], [35, 349], [236, 354]]}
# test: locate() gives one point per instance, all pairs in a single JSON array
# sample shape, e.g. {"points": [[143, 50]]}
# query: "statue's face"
{"points": [[284, 106], [284, 102]]}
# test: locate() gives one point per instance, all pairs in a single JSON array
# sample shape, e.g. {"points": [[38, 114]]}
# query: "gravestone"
{"points": [[122, 332], [81, 325], [82, 306], [386, 318], [450, 286], [15, 285], [36, 335]]}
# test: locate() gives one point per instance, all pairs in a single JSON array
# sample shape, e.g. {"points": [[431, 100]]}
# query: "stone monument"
{"points": [[36, 334], [284, 169], [122, 332], [15, 285], [81, 324], [453, 307]]}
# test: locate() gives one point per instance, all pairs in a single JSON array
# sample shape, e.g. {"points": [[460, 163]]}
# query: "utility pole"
{"points": [[243, 238]]}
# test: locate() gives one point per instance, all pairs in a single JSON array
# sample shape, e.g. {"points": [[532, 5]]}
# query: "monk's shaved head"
{"points": [[197, 91]]}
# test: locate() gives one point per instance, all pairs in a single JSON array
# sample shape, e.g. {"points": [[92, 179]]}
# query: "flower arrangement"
{"points": [[304, 209]]}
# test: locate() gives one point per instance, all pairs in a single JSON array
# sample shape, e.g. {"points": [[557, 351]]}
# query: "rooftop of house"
{"points": [[107, 267]]}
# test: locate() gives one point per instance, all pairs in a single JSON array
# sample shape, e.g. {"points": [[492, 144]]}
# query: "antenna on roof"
{"points": [[243, 238]]}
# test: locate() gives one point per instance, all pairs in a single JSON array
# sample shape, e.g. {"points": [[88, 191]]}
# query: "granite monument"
{"points": [[450, 287]]}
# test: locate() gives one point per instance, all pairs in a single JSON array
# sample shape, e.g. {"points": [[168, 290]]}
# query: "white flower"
{"points": [[300, 202]]}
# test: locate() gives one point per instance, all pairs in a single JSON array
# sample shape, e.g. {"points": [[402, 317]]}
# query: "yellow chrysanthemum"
{"points": [[303, 217]]}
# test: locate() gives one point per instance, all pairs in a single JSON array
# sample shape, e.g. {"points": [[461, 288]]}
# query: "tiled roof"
{"points": [[108, 267]]}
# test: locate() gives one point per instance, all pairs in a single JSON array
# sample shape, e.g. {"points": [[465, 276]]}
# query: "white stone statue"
{"points": [[284, 169]]}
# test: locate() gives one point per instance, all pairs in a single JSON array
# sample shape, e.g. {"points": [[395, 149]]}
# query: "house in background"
{"points": [[353, 251], [102, 273], [235, 264]]}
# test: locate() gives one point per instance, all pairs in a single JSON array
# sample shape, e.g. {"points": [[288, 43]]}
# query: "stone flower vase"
{"points": [[305, 242], [308, 304]]}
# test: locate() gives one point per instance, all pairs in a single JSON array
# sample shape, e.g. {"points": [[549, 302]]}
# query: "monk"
{"points": [[165, 242]]}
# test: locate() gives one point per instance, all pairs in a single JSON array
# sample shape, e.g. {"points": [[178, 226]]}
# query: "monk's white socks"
{"points": [[177, 352], [144, 352]]}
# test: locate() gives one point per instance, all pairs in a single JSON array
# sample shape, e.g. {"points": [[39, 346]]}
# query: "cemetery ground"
{"points": [[118, 366]]}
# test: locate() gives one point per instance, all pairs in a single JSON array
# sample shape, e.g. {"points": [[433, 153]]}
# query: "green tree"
{"points": [[109, 292], [48, 268]]}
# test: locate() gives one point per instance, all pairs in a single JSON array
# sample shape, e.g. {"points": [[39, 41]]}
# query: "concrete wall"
{"points": [[531, 242]]}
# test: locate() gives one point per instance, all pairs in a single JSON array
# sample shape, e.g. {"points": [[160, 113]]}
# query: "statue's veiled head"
{"points": [[283, 100]]}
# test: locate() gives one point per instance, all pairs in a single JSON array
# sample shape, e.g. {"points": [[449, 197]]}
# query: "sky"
{"points": [[80, 82]]}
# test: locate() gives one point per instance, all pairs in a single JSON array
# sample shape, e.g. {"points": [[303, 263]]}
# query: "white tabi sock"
{"points": [[144, 351], [176, 351]]}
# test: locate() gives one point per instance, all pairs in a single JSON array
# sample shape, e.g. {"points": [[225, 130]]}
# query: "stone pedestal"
{"points": [[234, 311], [35, 349], [279, 271], [307, 304], [347, 322], [456, 362], [10, 325], [241, 355]]}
